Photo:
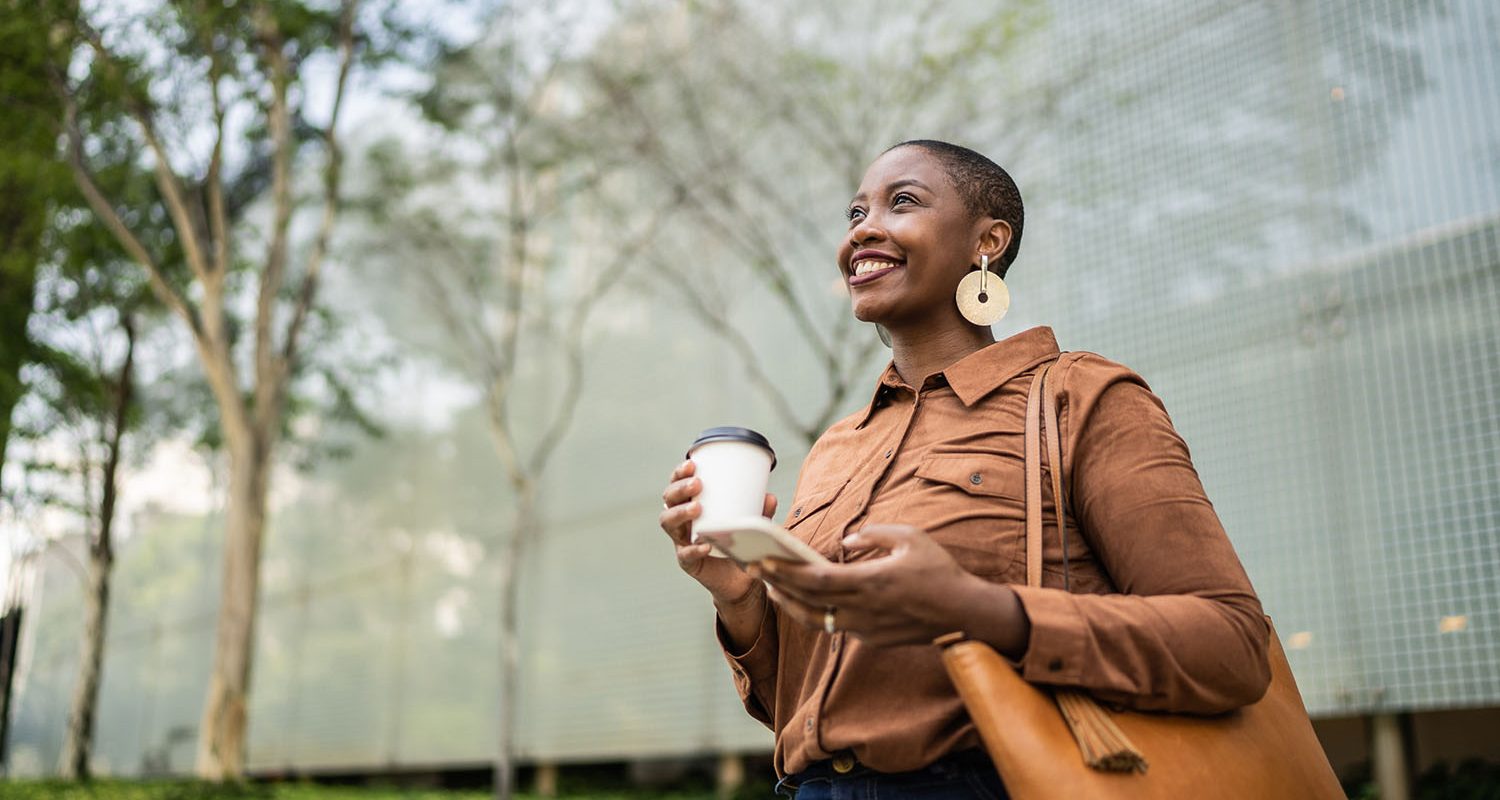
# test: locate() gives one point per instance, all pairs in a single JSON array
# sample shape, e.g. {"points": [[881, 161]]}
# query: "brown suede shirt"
{"points": [[1160, 616]]}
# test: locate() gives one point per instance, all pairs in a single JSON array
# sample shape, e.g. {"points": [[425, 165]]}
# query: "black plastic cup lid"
{"points": [[730, 433]]}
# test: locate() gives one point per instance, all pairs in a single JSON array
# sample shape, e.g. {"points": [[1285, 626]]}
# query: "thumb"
{"points": [[895, 538]]}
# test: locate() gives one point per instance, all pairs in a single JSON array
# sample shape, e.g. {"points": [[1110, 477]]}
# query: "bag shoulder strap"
{"points": [[1034, 478], [1100, 740], [1040, 403]]}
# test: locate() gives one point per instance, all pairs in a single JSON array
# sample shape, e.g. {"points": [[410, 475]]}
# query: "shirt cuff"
{"points": [[1059, 636], [755, 665]]}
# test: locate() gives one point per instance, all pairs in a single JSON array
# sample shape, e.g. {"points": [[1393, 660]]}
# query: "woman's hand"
{"points": [[913, 595], [721, 576]]}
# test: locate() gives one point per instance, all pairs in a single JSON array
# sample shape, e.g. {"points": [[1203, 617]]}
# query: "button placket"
{"points": [[835, 647]]}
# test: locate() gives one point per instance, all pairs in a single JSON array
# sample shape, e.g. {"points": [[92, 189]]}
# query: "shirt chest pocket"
{"points": [[974, 505], [807, 511]]}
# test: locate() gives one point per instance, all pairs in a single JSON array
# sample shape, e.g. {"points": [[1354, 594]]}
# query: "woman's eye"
{"points": [[896, 201], [854, 213]]}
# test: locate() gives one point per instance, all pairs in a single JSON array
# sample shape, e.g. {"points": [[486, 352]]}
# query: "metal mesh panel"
{"points": [[1288, 222]]}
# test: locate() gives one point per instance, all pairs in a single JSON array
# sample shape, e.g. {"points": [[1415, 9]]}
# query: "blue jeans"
{"points": [[962, 776]]}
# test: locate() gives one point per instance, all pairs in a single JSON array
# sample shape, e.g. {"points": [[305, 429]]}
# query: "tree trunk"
{"points": [[516, 547], [79, 744], [221, 732]]}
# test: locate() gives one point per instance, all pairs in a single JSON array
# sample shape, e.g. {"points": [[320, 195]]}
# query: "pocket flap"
{"points": [[808, 504], [986, 474]]}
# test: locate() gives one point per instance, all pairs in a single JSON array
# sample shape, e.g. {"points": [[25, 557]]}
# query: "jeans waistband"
{"points": [[945, 765]]}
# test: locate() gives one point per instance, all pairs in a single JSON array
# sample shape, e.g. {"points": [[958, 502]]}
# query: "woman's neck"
{"points": [[919, 354]]}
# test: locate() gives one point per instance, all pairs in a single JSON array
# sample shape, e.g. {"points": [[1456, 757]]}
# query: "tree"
{"points": [[254, 73], [508, 274], [83, 397], [31, 177], [764, 118], [93, 405]]}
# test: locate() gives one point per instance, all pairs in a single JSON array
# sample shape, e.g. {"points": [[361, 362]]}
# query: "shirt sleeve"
{"points": [[755, 668], [1187, 633]]}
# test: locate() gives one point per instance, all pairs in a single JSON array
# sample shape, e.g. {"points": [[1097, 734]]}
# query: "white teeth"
{"points": [[870, 265]]}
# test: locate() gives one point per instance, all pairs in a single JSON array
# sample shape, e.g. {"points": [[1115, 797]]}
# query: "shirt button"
{"points": [[976, 479], [798, 512], [808, 725], [1055, 664], [842, 763], [888, 453]]}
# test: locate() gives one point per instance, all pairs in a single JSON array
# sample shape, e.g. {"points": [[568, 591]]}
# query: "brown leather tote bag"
{"points": [[1062, 744]]}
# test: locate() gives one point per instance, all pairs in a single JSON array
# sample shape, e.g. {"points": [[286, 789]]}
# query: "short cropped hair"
{"points": [[985, 187]]}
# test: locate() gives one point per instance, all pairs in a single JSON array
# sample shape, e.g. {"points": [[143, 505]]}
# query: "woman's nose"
{"points": [[867, 229]]}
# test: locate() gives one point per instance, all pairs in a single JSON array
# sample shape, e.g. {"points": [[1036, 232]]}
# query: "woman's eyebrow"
{"points": [[893, 186]]}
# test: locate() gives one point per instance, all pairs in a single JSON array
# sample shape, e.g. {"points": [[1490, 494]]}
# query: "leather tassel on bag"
{"points": [[1103, 744]]}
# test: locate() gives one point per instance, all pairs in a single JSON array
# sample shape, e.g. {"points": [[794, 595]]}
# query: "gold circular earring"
{"points": [[983, 298]]}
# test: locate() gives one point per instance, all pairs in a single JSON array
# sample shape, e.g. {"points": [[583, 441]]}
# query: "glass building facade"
{"points": [[1284, 215]]}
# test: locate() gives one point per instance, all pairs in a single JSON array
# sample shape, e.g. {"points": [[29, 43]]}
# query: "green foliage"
{"points": [[123, 790], [1473, 779], [31, 177]]}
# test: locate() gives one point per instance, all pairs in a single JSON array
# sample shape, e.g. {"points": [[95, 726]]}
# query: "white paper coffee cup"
{"points": [[734, 465]]}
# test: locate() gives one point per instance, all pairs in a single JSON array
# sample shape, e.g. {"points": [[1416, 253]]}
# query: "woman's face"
{"points": [[910, 240]]}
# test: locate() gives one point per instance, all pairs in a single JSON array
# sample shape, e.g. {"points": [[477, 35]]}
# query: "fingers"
{"points": [[690, 556], [854, 621], [681, 491], [799, 610], [890, 537], [680, 508], [677, 521], [769, 511], [816, 584]]}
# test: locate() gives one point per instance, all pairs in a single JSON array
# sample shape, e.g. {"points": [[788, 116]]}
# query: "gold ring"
{"points": [[828, 621]]}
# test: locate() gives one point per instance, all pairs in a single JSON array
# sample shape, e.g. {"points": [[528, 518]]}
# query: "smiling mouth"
{"points": [[871, 267]]}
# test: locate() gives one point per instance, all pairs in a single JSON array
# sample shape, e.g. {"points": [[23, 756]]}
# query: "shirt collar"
{"points": [[982, 371]]}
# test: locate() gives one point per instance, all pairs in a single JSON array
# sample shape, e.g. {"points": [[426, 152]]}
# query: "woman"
{"points": [[918, 498]]}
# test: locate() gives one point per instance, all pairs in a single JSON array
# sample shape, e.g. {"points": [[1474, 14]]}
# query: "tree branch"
{"points": [[573, 336], [331, 175], [167, 180], [714, 320], [217, 215], [273, 271], [105, 211]]}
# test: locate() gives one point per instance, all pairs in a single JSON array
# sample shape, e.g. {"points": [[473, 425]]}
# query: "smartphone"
{"points": [[750, 539]]}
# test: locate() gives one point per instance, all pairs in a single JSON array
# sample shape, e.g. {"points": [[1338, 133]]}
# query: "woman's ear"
{"points": [[994, 238]]}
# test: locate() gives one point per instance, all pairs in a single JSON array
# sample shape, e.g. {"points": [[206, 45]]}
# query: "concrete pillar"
{"points": [[1388, 757], [731, 775], [546, 779]]}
